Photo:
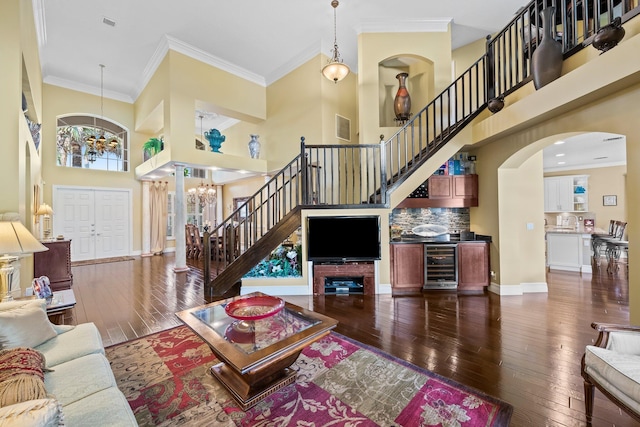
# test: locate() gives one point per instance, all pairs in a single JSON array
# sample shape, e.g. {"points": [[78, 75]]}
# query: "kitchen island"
{"points": [[569, 248]]}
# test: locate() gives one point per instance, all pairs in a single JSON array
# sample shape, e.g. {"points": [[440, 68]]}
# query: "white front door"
{"points": [[96, 220]]}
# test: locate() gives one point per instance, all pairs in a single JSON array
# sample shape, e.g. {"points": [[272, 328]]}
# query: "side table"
{"points": [[59, 304]]}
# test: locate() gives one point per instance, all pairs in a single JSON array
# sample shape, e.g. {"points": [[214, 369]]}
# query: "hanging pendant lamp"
{"points": [[335, 70]]}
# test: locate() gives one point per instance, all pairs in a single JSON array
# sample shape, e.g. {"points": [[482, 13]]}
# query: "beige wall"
{"points": [[374, 48], [59, 102]]}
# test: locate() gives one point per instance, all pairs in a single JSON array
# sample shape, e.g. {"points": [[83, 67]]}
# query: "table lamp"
{"points": [[45, 211], [15, 240]]}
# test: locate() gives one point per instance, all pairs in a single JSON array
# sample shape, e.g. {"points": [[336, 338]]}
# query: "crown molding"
{"points": [[301, 58], [80, 87]]}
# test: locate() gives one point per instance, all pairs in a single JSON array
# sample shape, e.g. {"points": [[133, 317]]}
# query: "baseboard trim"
{"points": [[521, 289]]}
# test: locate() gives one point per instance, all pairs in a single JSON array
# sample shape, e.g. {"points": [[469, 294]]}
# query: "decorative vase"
{"points": [[609, 36], [402, 102], [254, 146], [495, 104], [215, 139], [546, 62]]}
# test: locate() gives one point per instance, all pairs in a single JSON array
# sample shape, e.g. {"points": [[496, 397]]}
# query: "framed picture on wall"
{"points": [[611, 200]]}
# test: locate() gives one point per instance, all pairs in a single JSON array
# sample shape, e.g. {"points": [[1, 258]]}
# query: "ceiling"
{"points": [[589, 150], [259, 40]]}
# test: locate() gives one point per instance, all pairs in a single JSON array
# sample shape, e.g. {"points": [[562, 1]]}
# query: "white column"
{"points": [[181, 251], [146, 220]]}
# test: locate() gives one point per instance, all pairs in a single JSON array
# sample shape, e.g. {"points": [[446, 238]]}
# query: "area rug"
{"points": [[340, 382], [101, 261]]}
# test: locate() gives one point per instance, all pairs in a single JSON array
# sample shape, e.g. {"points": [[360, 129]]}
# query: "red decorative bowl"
{"points": [[254, 308]]}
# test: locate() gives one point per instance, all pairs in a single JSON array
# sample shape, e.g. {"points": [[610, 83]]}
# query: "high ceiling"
{"points": [[260, 40]]}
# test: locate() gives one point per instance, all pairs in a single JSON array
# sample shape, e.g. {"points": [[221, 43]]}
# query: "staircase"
{"points": [[363, 176]]}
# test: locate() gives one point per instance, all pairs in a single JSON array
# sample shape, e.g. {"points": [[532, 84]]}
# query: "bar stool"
{"points": [[614, 250]]}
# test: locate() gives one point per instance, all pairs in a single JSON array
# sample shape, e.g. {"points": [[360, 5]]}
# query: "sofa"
{"points": [[612, 365], [64, 377]]}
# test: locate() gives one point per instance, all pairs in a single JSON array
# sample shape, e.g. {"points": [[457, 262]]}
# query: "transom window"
{"points": [[92, 143]]}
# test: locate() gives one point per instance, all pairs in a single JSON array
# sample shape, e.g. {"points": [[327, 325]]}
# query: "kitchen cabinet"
{"points": [[407, 267], [447, 191], [55, 264], [566, 193], [473, 266]]}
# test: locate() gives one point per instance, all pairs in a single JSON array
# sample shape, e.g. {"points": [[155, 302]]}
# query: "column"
{"points": [[146, 220], [181, 251]]}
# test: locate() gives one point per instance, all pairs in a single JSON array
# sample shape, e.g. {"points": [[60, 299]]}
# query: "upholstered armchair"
{"points": [[612, 365]]}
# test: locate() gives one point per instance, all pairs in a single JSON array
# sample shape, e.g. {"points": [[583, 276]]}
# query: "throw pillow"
{"points": [[25, 325], [33, 413], [21, 375]]}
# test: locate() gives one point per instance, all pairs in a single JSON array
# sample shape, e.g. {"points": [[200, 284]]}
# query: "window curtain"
{"points": [[158, 199]]}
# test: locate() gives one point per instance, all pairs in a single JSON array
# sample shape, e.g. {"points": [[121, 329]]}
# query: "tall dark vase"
{"points": [[402, 102], [546, 62]]}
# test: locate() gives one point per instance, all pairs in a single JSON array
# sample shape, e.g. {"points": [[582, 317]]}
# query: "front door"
{"points": [[96, 220]]}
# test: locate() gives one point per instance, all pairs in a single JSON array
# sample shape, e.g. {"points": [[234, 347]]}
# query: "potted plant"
{"points": [[152, 147]]}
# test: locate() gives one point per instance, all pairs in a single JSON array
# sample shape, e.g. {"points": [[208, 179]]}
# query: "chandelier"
{"points": [[97, 145], [204, 194], [335, 70]]}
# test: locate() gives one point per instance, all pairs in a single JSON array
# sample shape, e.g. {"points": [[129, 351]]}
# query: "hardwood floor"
{"points": [[525, 350]]}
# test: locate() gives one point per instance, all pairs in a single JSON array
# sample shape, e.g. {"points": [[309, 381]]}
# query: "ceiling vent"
{"points": [[108, 21]]}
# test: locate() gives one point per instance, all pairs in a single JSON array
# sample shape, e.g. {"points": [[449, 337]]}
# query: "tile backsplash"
{"points": [[455, 219]]}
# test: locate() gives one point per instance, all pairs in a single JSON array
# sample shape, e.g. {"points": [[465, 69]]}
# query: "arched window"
{"points": [[92, 143]]}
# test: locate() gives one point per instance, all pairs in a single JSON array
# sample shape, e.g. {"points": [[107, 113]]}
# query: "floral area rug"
{"points": [[340, 382]]}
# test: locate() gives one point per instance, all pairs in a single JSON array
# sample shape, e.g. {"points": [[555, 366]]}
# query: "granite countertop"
{"points": [[572, 230], [431, 240]]}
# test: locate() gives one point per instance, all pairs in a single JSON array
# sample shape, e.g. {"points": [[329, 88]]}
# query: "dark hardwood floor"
{"points": [[525, 350]]}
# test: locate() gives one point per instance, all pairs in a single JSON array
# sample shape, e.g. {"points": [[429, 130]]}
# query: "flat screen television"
{"points": [[343, 238]]}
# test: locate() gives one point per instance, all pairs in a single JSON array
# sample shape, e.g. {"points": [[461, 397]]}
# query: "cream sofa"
{"points": [[79, 381]]}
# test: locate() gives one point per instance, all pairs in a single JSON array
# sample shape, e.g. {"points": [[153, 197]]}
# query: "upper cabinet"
{"points": [[566, 193], [445, 191]]}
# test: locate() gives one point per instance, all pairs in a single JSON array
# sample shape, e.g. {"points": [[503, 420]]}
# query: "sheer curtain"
{"points": [[158, 200]]}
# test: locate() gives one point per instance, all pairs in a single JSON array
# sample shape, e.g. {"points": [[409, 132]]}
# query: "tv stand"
{"points": [[366, 270]]}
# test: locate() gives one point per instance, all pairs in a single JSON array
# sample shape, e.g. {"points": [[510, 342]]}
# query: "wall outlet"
{"points": [[529, 226], [493, 274]]}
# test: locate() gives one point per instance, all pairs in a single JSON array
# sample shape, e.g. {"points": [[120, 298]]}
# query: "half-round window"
{"points": [[92, 143]]}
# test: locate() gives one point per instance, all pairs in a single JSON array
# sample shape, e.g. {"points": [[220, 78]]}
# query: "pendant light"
{"points": [[335, 70], [98, 145]]}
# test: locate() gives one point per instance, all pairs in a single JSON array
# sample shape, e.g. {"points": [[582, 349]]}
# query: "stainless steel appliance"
{"points": [[441, 266]]}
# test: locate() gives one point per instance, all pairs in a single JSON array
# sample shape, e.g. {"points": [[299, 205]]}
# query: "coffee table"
{"points": [[255, 355]]}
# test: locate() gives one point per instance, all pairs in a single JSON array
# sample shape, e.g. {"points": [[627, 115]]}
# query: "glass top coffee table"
{"points": [[255, 355]]}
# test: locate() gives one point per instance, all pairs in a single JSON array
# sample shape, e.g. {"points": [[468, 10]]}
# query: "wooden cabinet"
{"points": [[55, 264], [447, 191], [364, 270], [473, 266], [407, 267], [440, 187]]}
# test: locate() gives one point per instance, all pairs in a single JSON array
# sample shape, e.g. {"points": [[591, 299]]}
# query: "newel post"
{"points": [[304, 169]]}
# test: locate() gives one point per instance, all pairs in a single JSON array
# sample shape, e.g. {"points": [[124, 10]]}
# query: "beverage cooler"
{"points": [[441, 266]]}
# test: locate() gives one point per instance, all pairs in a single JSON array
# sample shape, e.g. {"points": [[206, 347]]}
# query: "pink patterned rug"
{"points": [[340, 382]]}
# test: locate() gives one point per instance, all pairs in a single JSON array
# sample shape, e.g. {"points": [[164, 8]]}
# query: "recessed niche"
{"points": [[419, 84]]}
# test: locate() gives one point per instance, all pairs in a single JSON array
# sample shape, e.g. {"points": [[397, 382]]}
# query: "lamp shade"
{"points": [[44, 209], [335, 71], [15, 239]]}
